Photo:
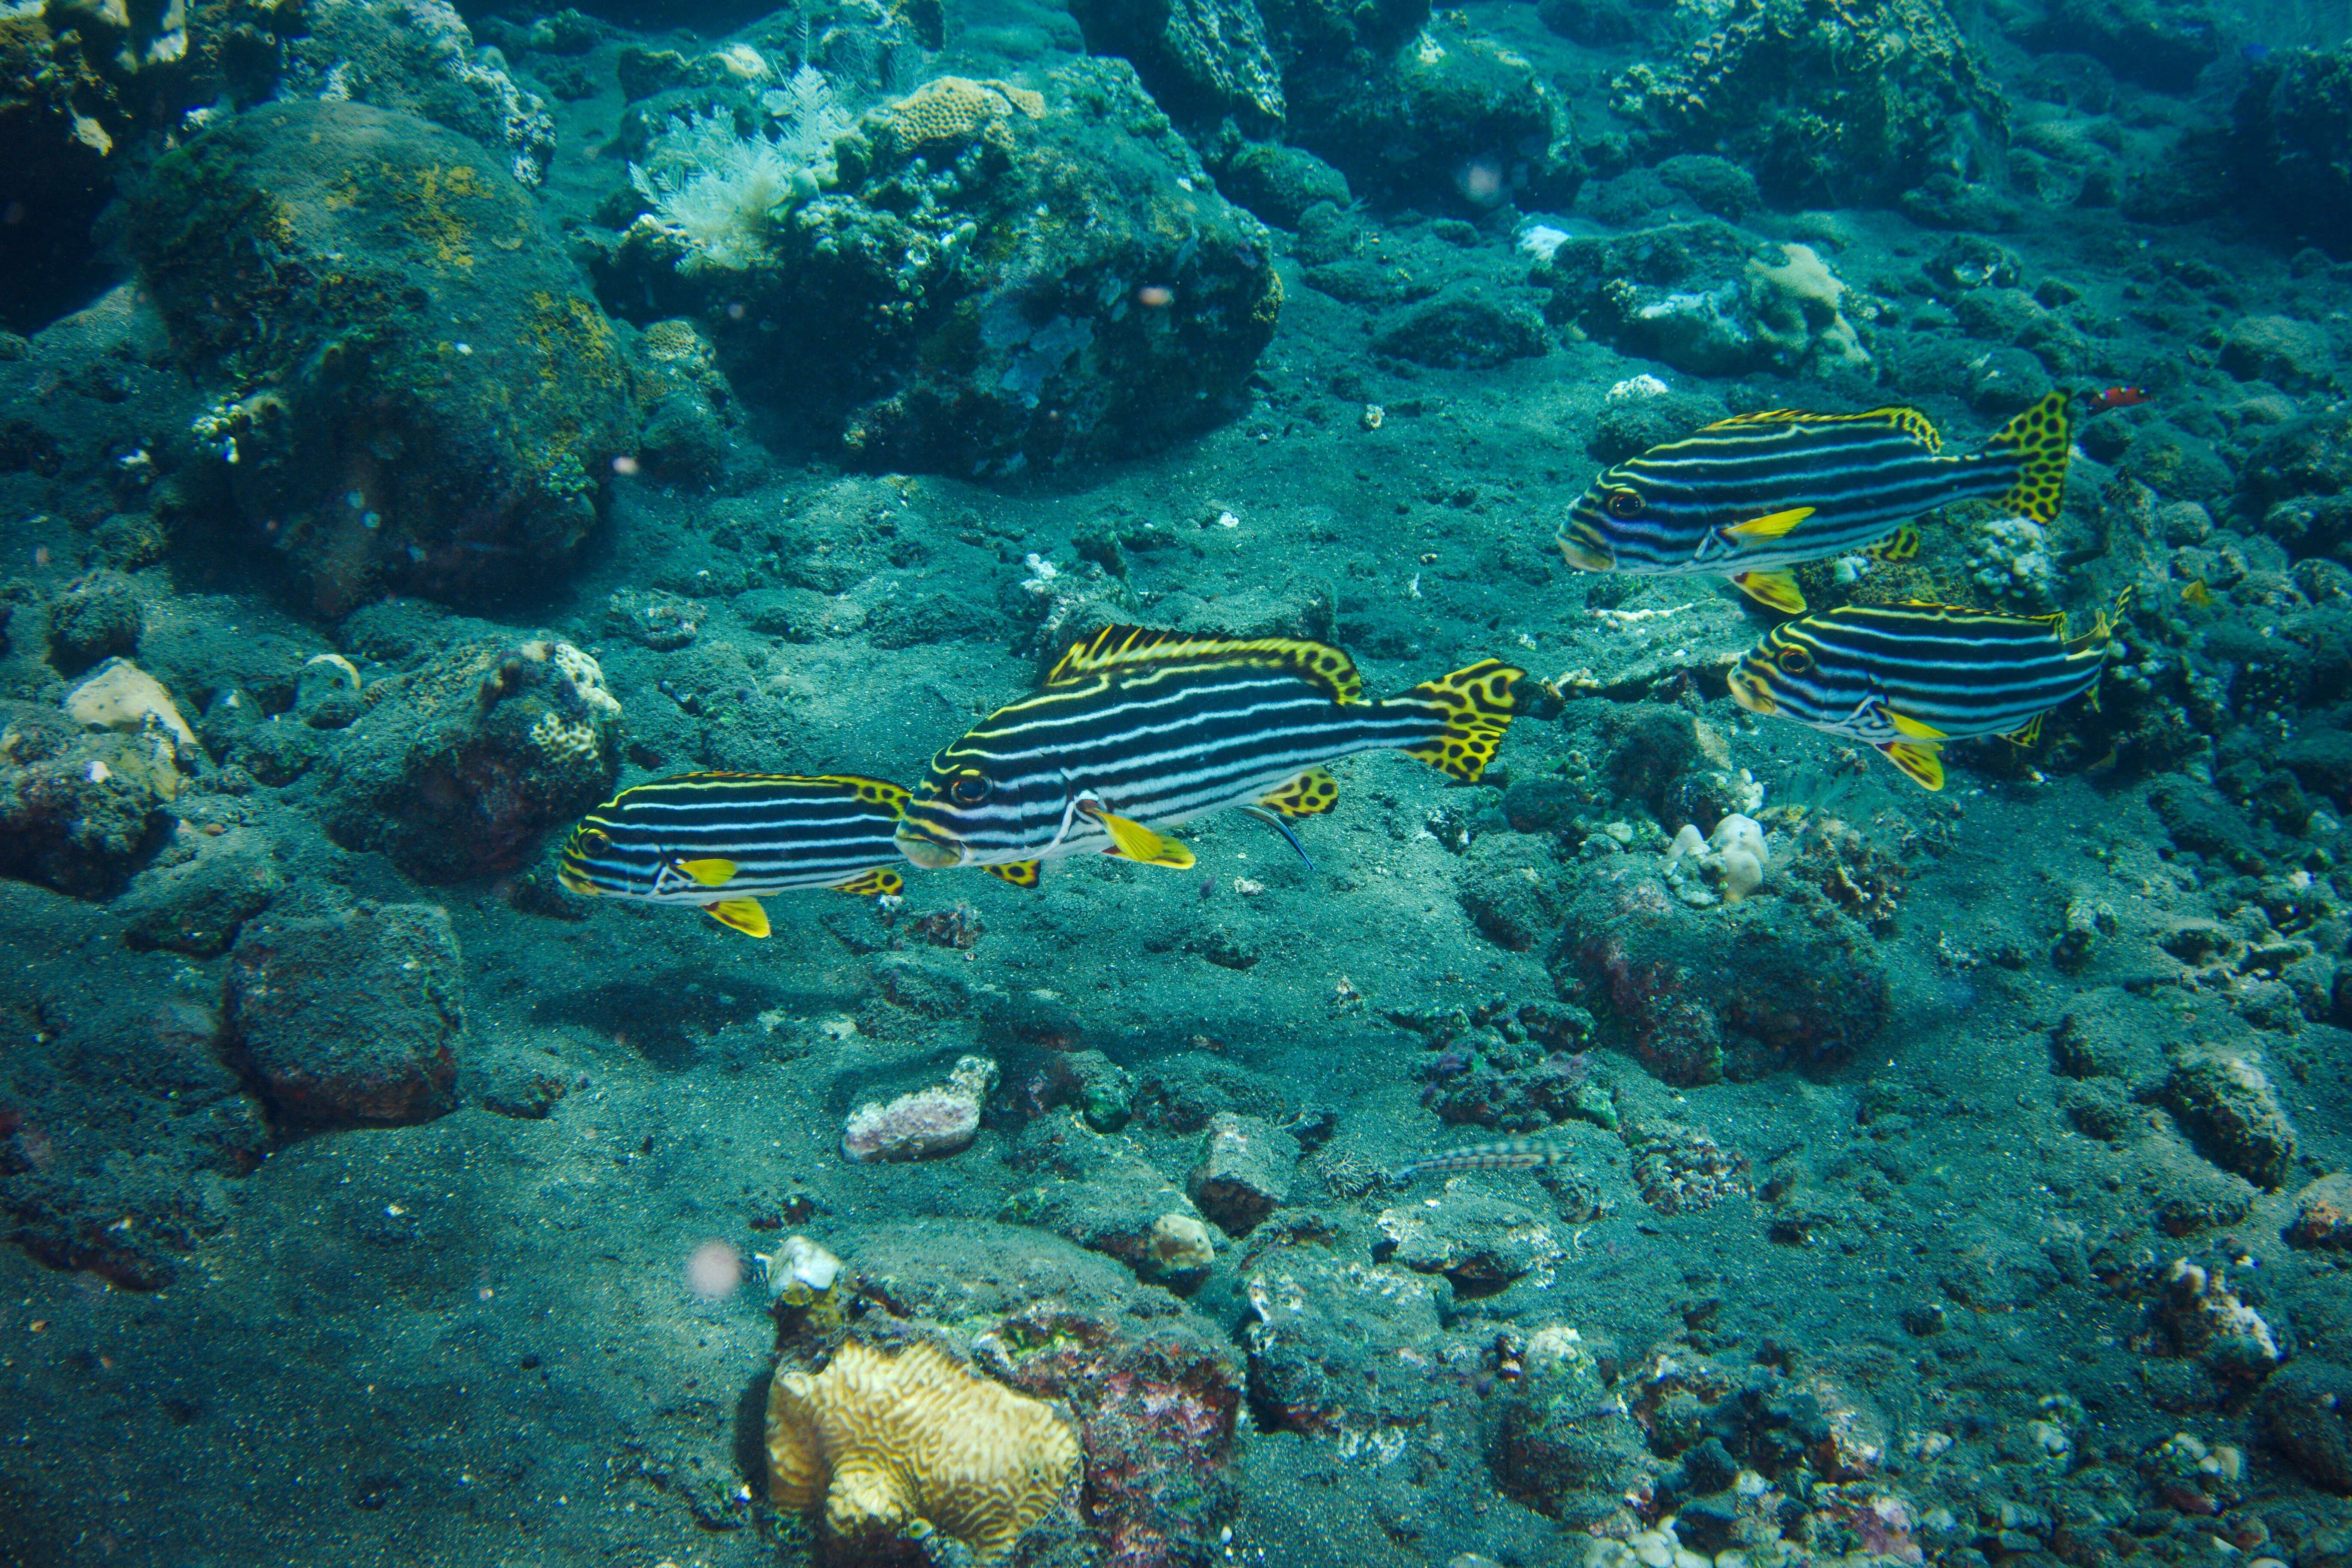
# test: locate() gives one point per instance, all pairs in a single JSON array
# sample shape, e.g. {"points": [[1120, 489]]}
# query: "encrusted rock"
{"points": [[348, 1019], [2306, 1415], [462, 451], [924, 1124], [95, 616], [79, 810], [1478, 1242], [195, 904], [2323, 1214], [2224, 1101], [1068, 288], [461, 764], [1243, 1172]]}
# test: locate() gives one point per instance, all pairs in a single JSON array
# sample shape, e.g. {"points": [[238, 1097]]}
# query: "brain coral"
{"points": [[951, 107], [898, 1446]]}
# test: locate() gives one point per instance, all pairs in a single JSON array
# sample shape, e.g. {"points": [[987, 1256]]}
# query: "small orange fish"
{"points": [[2114, 397]]}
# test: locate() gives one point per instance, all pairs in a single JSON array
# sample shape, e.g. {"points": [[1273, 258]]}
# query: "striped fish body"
{"points": [[1512, 1154], [1908, 678], [721, 841], [1139, 728], [1748, 498]]}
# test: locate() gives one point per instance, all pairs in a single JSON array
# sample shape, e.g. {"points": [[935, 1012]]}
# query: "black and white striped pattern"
{"points": [[1960, 673], [1162, 741], [1672, 510], [781, 831], [1512, 1154]]}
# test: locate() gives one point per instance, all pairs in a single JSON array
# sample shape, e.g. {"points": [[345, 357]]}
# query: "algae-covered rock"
{"points": [[418, 56], [348, 1019], [1443, 115], [80, 809], [1001, 279], [2291, 146], [1709, 298], [1736, 990], [2162, 44], [2225, 1102], [461, 764], [1202, 59], [195, 901], [410, 390], [1822, 101]]}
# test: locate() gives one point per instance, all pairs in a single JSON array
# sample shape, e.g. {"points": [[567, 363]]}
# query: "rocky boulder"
{"points": [[993, 279], [460, 766], [348, 1019], [409, 390]]}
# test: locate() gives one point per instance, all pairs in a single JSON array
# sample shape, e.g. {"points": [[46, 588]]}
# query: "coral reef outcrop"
{"points": [[409, 390], [889, 1446]]}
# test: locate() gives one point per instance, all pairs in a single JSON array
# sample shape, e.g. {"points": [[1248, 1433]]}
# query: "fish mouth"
{"points": [[1585, 553], [927, 850], [1749, 693], [575, 881]]}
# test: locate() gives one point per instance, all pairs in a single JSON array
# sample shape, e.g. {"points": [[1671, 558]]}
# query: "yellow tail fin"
{"points": [[1479, 704], [2039, 440]]}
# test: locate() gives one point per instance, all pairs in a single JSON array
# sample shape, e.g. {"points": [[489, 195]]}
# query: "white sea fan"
{"points": [[720, 191]]}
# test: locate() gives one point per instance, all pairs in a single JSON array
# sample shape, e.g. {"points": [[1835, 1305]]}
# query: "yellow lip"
{"points": [[931, 853], [573, 882], [1749, 693], [1585, 557]]}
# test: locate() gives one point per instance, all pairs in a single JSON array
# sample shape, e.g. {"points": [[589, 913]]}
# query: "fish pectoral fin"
{"points": [[1311, 793], [1907, 725], [880, 882], [1137, 842], [1020, 873], [739, 914], [1916, 759], [710, 873], [1770, 526], [1773, 590]]}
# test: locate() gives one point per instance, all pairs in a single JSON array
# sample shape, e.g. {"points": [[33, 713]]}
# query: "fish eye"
{"points": [[1793, 660], [1624, 503], [593, 841], [969, 789]]}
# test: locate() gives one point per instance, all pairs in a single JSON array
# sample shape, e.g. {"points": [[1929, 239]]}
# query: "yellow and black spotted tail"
{"points": [[1479, 704], [2037, 441]]}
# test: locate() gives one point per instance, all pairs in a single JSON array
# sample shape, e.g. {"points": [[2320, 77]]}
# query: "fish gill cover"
{"points": [[501, 505]]}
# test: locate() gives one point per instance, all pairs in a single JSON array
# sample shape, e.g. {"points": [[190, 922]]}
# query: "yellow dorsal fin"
{"points": [[1137, 842], [1910, 421], [1137, 646], [873, 791], [1020, 873], [880, 882], [739, 914], [1918, 759], [1771, 526], [713, 873], [1311, 793], [1773, 590], [1917, 730]]}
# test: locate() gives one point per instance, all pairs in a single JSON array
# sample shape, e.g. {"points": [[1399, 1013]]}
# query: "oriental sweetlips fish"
{"points": [[1748, 498], [1135, 729], [719, 841], [1908, 678]]}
